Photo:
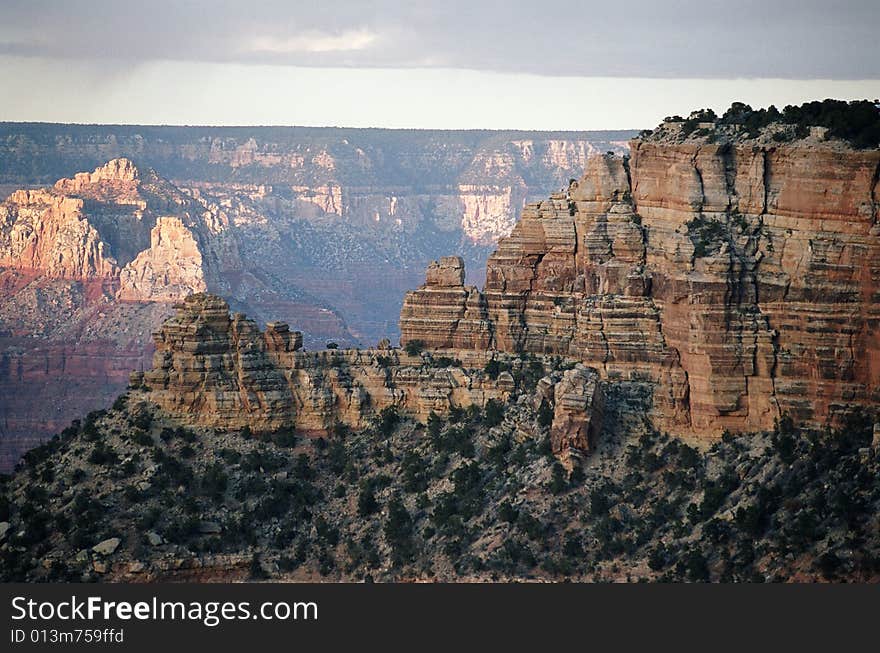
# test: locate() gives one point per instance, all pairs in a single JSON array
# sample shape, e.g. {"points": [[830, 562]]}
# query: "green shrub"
{"points": [[414, 347], [389, 418], [367, 504], [285, 438], [214, 481], [545, 414], [398, 531], [558, 479], [706, 235]]}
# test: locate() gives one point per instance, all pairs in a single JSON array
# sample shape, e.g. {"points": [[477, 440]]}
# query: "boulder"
{"points": [[107, 547]]}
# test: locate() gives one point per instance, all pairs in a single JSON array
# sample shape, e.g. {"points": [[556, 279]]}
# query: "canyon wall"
{"points": [[337, 213], [738, 278], [324, 228]]}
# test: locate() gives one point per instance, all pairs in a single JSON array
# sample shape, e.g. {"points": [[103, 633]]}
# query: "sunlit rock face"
{"points": [[218, 369], [739, 279]]}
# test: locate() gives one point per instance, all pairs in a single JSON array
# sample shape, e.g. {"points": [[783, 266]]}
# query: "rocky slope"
{"points": [[736, 272]]}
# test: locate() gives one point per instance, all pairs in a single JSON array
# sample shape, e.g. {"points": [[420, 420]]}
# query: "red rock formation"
{"points": [[43, 231], [444, 312], [218, 370], [739, 279], [171, 268], [578, 410], [87, 270]]}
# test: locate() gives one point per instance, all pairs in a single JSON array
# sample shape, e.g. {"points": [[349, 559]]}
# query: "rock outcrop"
{"points": [[170, 269], [737, 277], [444, 312], [215, 369], [114, 223], [578, 410], [40, 230]]}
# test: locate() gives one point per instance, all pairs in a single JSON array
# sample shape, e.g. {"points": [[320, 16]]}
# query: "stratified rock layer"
{"points": [[739, 279], [218, 370], [446, 313]]}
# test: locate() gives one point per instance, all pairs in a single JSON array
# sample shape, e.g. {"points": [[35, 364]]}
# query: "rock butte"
{"points": [[740, 281], [87, 269]]}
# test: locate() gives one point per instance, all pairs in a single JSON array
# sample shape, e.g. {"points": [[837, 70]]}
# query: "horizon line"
{"points": [[281, 126]]}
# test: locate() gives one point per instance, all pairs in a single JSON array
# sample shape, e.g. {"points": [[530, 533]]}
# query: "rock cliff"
{"points": [[322, 217], [736, 275], [115, 223]]}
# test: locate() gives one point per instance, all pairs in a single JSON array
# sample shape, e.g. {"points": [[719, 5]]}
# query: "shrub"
{"points": [[256, 569], [398, 530], [367, 504], [389, 418], [328, 533], [533, 528], [415, 477], [102, 454], [706, 235], [857, 122], [506, 512], [455, 439], [143, 439], [214, 481], [383, 361], [694, 566], [284, 438], [545, 414], [414, 347], [558, 479], [435, 425], [492, 369]]}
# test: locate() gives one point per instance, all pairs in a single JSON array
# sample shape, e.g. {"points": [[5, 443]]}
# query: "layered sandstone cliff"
{"points": [[737, 277], [88, 268], [325, 228], [216, 369]]}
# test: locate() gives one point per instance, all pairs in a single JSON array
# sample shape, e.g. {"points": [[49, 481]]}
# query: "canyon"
{"points": [[670, 373], [322, 228]]}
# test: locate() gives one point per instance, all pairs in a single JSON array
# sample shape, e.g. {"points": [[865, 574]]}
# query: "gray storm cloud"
{"points": [[711, 39]]}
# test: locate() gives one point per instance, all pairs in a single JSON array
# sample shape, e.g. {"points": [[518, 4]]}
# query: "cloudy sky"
{"points": [[521, 63]]}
